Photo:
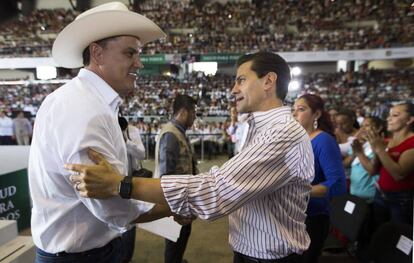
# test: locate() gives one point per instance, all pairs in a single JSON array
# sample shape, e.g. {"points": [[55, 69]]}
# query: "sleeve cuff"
{"points": [[175, 189]]}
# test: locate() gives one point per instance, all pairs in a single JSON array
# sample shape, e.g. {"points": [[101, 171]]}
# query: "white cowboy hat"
{"points": [[107, 20]]}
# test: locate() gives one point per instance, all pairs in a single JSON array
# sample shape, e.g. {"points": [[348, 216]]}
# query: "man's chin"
{"points": [[241, 110], [126, 92]]}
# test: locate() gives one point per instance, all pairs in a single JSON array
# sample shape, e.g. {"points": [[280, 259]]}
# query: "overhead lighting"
{"points": [[296, 71]]}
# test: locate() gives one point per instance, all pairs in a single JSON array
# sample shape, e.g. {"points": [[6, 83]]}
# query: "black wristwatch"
{"points": [[125, 187]]}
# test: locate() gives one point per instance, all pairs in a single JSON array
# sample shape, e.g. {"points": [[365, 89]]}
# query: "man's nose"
{"points": [[235, 89], [138, 64]]}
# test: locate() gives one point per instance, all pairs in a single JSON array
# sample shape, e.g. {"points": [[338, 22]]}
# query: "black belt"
{"points": [[83, 253]]}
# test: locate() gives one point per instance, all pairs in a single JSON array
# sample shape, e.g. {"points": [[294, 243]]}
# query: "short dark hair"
{"points": [[351, 115], [183, 102], [86, 55], [264, 62]]}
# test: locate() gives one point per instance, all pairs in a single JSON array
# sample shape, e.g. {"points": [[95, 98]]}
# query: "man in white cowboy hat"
{"points": [[106, 41]]}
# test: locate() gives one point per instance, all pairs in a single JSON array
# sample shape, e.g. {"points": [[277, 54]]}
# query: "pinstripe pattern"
{"points": [[264, 189]]}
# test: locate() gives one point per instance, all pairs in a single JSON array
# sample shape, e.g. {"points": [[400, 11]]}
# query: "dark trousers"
{"points": [[6, 140], [110, 253], [128, 244], [210, 148], [364, 237], [240, 258], [317, 227], [396, 207], [174, 251]]}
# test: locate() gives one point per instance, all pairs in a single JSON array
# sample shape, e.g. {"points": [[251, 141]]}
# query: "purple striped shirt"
{"points": [[264, 189]]}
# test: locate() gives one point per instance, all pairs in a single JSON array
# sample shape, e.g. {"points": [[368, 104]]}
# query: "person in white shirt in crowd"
{"points": [[345, 131], [264, 189], [220, 135], [22, 129], [106, 41], [209, 140], [231, 132], [237, 129], [6, 129], [135, 147], [194, 134]]}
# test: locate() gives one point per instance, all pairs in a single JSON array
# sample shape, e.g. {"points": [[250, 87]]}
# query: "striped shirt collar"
{"points": [[262, 119], [106, 92]]}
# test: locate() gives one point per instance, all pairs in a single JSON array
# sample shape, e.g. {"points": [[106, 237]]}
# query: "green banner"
{"points": [[153, 59], [223, 58], [14, 198]]}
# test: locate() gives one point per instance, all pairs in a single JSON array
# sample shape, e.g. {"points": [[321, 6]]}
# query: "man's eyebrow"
{"points": [[239, 77], [133, 50]]}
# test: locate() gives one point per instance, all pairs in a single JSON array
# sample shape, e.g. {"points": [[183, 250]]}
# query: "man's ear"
{"points": [[181, 114], [96, 53], [270, 81]]}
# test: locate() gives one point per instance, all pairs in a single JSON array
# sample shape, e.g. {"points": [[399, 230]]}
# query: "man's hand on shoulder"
{"points": [[95, 181]]}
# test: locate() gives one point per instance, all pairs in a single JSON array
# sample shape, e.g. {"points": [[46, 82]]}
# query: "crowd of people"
{"points": [[374, 163], [369, 93], [235, 27]]}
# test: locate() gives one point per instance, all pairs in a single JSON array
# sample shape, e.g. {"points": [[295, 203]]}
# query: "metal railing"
{"points": [[149, 140]]}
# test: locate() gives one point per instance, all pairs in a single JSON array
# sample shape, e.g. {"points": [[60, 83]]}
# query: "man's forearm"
{"points": [[157, 212], [148, 190]]}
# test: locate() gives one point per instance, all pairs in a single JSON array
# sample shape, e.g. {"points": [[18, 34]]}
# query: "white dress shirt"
{"points": [[265, 188], [6, 126], [80, 114]]}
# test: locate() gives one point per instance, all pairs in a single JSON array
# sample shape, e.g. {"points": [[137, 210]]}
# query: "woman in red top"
{"points": [[395, 162]]}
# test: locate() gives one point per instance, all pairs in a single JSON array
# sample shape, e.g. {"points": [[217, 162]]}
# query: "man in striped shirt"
{"points": [[264, 188]]}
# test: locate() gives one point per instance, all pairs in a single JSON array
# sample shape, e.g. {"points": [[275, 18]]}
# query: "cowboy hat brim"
{"points": [[74, 38]]}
